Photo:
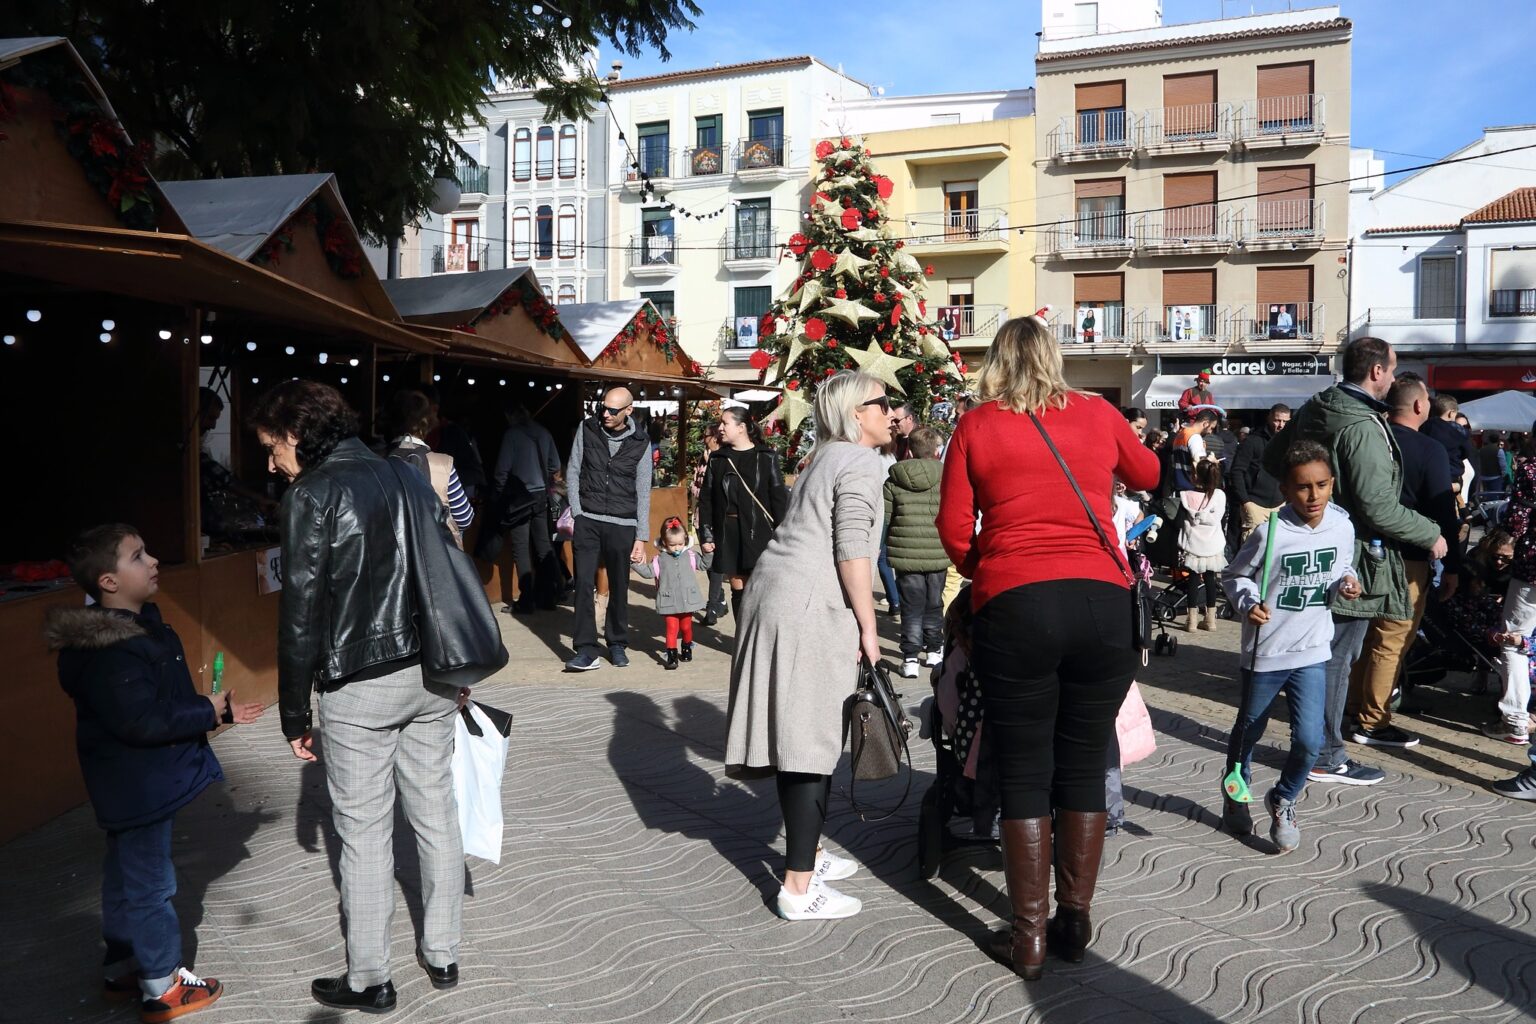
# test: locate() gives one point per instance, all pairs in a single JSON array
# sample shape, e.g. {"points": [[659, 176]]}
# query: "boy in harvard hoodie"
{"points": [[141, 731], [1288, 631]]}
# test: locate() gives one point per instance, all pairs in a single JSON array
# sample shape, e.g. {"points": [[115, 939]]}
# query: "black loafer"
{"points": [[335, 992], [441, 977]]}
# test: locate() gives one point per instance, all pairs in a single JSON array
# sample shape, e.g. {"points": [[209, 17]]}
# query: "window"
{"points": [[1285, 201], [655, 149], [1438, 288], [568, 151], [545, 247], [665, 303], [1284, 303], [566, 231], [1101, 114], [1101, 211], [567, 294], [1189, 105], [522, 234], [656, 237], [1512, 283], [522, 155], [1085, 18], [1285, 97], [959, 317], [764, 145], [1189, 202], [751, 304], [754, 230], [1098, 312], [549, 293], [463, 245], [960, 201], [707, 156], [544, 162], [1189, 304]]}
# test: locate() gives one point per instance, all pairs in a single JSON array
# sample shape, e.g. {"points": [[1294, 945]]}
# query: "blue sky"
{"points": [[1428, 74]]}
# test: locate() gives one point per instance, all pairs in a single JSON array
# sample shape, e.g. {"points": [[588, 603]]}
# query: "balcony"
{"points": [[1197, 327], [749, 248], [657, 164], [702, 161], [763, 158], [1185, 231], [1282, 122], [472, 178], [1193, 128], [459, 258], [1282, 224], [970, 324], [1505, 302], [1092, 236], [1092, 135], [977, 231], [1279, 325], [1413, 326], [653, 257], [735, 346], [1108, 333]]}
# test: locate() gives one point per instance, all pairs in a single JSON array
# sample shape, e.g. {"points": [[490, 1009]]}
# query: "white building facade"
{"points": [[897, 113], [723, 179]]}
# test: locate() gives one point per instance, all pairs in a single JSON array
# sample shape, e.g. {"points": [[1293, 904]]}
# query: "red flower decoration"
{"points": [[889, 347], [928, 270], [846, 143], [840, 294], [922, 307], [823, 149], [900, 244], [850, 219], [884, 186], [831, 343], [879, 298], [815, 328], [885, 271], [822, 260], [922, 330], [765, 329], [829, 372], [760, 360], [798, 243], [871, 214], [919, 368], [793, 385]]}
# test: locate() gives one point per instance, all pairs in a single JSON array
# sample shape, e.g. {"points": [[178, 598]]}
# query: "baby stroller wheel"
{"points": [[1165, 645], [930, 834]]}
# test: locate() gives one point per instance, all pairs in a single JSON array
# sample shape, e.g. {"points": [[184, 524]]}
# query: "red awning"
{"points": [[1484, 377]]}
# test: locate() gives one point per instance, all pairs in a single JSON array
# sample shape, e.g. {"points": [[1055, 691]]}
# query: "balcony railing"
{"points": [[655, 162], [568, 167], [1091, 231], [1281, 219], [1283, 115], [1512, 302], [1191, 123], [734, 341], [1284, 321], [750, 242], [704, 160], [761, 152], [1402, 316], [1107, 324], [472, 178], [459, 258], [654, 251], [1187, 323], [1185, 226], [1092, 132], [979, 224], [971, 321]]}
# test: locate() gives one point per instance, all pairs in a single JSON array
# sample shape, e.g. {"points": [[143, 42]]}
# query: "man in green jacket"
{"points": [[916, 553], [1347, 419]]}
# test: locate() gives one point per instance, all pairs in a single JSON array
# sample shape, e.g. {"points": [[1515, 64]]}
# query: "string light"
{"points": [[257, 380], [109, 325], [105, 337], [165, 335], [436, 377], [288, 350], [324, 358], [352, 362], [34, 315], [471, 381], [250, 346], [343, 380], [386, 378], [502, 382], [9, 339], [206, 339]]}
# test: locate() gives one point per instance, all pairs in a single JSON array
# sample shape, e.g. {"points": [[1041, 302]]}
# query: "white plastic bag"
{"points": [[479, 758]]}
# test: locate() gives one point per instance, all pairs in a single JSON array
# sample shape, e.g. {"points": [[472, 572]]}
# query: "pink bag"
{"points": [[1134, 728], [565, 526]]}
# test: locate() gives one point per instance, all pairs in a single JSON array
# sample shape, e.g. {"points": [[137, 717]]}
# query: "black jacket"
{"points": [[141, 728], [1457, 443], [1427, 490], [347, 603], [724, 494], [1250, 481]]}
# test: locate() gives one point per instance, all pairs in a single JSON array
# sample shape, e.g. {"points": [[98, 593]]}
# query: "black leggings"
{"points": [[1203, 590], [1054, 661], [803, 801]]}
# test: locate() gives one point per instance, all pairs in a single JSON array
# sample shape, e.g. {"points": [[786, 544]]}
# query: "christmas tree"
{"points": [[858, 301]]}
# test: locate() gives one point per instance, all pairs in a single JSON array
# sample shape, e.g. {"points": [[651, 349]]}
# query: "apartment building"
{"points": [[1186, 197], [1443, 264], [711, 176]]}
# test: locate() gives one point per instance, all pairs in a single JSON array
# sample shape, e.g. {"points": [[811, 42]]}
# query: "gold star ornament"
{"points": [[849, 312], [848, 265], [878, 363], [792, 410]]}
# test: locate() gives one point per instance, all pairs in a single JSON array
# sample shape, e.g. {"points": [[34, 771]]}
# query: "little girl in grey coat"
{"points": [[675, 571]]}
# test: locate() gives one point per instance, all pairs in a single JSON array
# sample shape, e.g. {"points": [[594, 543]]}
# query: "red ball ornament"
{"points": [[895, 316], [793, 385], [885, 271], [850, 219], [900, 244], [830, 372], [822, 260], [846, 143], [889, 347], [760, 360], [928, 270], [798, 243], [884, 186], [919, 368], [922, 307], [823, 149], [823, 197], [815, 328], [831, 343], [840, 294]]}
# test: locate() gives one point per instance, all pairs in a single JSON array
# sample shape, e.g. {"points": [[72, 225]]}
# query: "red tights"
{"points": [[679, 624]]}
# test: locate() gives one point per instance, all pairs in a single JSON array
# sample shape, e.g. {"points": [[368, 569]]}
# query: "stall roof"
{"points": [[1234, 392], [594, 325], [1507, 410], [24, 46], [238, 215], [464, 296]]}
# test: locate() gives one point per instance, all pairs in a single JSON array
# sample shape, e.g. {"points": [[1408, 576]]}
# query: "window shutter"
{"points": [[1286, 182], [1279, 80], [1438, 280], [1088, 289], [1283, 284], [1196, 193], [1513, 270], [1285, 193], [1189, 287], [1189, 90], [1101, 96], [1101, 188]]}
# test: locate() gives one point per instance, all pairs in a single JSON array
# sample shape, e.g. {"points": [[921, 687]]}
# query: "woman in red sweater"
{"points": [[1051, 645]]}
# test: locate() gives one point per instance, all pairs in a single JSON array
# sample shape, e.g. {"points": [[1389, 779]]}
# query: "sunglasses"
{"points": [[614, 412], [882, 401]]}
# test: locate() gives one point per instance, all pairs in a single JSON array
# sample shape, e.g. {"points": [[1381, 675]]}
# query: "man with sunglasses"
{"points": [[609, 485]]}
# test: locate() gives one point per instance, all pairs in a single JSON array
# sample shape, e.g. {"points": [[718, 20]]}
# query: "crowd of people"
{"points": [[1329, 530]]}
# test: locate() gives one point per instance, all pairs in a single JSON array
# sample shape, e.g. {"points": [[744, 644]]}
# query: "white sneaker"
{"points": [[832, 868], [909, 669], [820, 903], [935, 659]]}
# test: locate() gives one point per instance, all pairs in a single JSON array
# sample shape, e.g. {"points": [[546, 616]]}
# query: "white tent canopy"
{"points": [[1239, 392], [1507, 410]]}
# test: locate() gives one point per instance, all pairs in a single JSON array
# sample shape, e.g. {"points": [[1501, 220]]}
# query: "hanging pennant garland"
{"points": [[660, 332]]}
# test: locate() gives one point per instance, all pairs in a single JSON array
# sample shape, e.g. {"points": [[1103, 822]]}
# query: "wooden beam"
{"points": [[192, 442]]}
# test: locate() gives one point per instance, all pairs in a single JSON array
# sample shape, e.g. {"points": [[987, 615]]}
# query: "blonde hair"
{"points": [[837, 406], [1023, 370]]}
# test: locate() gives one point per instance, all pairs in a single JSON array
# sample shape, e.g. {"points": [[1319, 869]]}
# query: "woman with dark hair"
{"points": [[742, 499], [347, 629], [407, 420]]}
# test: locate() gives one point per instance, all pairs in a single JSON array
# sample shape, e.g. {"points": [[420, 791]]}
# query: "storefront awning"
{"points": [[1239, 392]]}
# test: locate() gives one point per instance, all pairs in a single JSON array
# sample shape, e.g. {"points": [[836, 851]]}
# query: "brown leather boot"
{"points": [[1027, 866], [1079, 848]]}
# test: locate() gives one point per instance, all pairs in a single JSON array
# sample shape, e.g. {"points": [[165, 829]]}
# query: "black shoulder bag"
{"points": [[1141, 600], [877, 730]]}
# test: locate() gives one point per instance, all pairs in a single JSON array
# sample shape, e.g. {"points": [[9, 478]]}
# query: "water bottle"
{"points": [[1376, 551], [218, 671]]}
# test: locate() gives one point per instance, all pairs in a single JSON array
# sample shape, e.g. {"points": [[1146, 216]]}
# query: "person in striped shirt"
{"points": [[407, 420]]}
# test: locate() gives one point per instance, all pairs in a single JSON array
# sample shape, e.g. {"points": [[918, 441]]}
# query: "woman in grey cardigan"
{"points": [[807, 618]]}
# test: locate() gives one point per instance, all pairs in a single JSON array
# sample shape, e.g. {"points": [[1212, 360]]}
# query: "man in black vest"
{"points": [[609, 488]]}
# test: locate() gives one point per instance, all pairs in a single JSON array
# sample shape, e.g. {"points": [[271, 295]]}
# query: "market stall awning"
{"points": [[1239, 392], [506, 307], [594, 325], [1507, 410], [627, 334], [239, 215]]}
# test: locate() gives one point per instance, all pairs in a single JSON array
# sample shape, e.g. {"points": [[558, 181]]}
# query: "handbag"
{"points": [[1133, 727], [479, 761], [877, 728], [1141, 599], [460, 638]]}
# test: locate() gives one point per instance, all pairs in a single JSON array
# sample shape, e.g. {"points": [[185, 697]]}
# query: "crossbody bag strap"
{"points": [[1103, 537], [751, 493]]}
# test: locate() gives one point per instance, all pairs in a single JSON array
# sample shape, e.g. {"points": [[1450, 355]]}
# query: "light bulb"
{"points": [[255, 380], [436, 377], [109, 325], [343, 380], [250, 346], [530, 383], [206, 339], [565, 22], [559, 387], [9, 339], [548, 388], [502, 382], [324, 358], [386, 378], [165, 335], [471, 381], [538, 9], [105, 336], [288, 350], [34, 315], [352, 362]]}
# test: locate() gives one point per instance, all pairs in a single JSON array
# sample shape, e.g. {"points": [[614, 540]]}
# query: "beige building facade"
{"points": [[1192, 206]]}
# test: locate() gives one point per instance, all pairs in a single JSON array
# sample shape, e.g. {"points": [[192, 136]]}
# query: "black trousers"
{"points": [[608, 545], [534, 553], [717, 593], [1054, 661], [922, 611], [1203, 589], [803, 802]]}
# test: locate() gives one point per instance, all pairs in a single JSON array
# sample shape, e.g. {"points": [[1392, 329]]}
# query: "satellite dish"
{"points": [[445, 195]]}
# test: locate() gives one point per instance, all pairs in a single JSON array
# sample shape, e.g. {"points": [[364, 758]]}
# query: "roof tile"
{"points": [[1517, 205]]}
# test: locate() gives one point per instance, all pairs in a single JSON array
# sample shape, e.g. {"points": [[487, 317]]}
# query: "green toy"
{"points": [[1234, 785], [218, 670]]}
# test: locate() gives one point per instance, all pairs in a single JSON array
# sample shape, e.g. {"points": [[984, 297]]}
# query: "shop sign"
{"points": [[269, 571], [1484, 377], [1248, 366]]}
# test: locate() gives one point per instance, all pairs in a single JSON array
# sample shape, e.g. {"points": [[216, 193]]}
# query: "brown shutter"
{"points": [[1188, 90], [1094, 288], [1286, 182], [1285, 192], [1189, 287], [1101, 95], [1100, 188], [1279, 80], [1196, 194], [1282, 284]]}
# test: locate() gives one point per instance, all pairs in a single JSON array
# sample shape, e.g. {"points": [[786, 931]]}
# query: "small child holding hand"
{"points": [[677, 587]]}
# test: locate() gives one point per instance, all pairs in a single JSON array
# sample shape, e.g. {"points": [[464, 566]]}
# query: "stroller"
{"points": [[1438, 650]]}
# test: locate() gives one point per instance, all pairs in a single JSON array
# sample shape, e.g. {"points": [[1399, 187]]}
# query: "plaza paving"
{"points": [[635, 876]]}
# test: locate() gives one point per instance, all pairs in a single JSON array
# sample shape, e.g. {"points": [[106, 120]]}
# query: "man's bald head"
{"points": [[616, 407]]}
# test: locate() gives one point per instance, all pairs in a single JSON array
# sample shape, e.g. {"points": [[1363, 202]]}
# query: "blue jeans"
{"points": [[888, 579], [1304, 689], [1348, 639], [137, 883]]}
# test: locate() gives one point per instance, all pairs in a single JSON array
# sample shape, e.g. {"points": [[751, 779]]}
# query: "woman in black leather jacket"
{"points": [[741, 500], [346, 627]]}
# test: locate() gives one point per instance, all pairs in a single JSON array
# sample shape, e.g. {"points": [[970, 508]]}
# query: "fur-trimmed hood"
{"points": [[88, 629]]}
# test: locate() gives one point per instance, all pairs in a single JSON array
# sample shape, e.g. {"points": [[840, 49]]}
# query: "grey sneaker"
{"points": [[1235, 817], [618, 657], [1282, 822], [583, 662], [1521, 787], [1350, 773]]}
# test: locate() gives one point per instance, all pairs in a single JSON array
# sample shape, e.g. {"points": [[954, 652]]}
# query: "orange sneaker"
{"points": [[188, 994]]}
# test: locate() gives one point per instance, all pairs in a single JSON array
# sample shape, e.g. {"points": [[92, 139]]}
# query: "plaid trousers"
{"points": [[382, 737]]}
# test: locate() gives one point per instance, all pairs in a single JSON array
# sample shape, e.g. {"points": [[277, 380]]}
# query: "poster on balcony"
{"points": [[746, 332], [949, 322], [1088, 321], [1282, 320], [1185, 323], [458, 258]]}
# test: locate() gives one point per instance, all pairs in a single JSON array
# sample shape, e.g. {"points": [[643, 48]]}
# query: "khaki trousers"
{"points": [[1381, 659], [1253, 515]]}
